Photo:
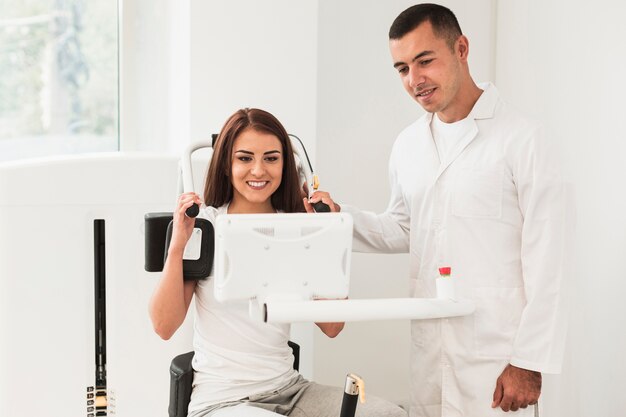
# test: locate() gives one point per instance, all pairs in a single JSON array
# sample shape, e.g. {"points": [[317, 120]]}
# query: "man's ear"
{"points": [[462, 48]]}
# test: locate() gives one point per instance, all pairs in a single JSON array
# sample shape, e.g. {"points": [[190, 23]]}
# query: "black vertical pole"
{"points": [[100, 315]]}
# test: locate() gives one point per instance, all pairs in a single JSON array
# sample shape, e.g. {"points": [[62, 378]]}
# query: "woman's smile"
{"points": [[257, 185]]}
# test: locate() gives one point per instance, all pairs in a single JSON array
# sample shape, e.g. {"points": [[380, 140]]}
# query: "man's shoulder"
{"points": [[508, 114], [514, 127], [414, 129], [412, 137]]}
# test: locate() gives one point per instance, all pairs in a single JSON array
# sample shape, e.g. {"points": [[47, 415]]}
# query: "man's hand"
{"points": [[325, 198], [516, 388]]}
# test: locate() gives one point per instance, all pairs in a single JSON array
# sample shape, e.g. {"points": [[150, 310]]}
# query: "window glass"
{"points": [[58, 77]]}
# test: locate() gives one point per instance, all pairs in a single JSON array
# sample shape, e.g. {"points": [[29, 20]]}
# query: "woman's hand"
{"points": [[322, 196], [183, 225]]}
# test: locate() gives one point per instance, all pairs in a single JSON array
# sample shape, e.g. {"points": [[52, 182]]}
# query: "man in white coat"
{"points": [[474, 186]]}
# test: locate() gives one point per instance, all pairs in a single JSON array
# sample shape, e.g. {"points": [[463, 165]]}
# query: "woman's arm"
{"points": [[172, 296], [331, 329]]}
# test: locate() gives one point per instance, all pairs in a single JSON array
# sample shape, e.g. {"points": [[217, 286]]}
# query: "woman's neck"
{"points": [[246, 207]]}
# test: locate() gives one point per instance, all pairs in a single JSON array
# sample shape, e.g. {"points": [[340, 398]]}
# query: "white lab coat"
{"points": [[498, 213]]}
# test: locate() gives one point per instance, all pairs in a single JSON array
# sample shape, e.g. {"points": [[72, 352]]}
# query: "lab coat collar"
{"points": [[484, 108]]}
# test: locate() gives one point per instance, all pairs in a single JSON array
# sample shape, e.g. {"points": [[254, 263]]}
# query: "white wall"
{"points": [[361, 108], [247, 53], [145, 32], [155, 75], [563, 62]]}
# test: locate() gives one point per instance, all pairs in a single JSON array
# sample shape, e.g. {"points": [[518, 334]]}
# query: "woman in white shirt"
{"points": [[243, 367]]}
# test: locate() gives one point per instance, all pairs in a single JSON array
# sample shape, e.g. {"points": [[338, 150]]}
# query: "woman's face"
{"points": [[256, 173]]}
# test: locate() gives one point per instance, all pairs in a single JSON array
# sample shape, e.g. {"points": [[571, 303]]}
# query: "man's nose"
{"points": [[416, 79]]}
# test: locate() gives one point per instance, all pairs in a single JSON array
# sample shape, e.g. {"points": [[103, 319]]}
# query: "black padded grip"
{"points": [[320, 207], [192, 211], [199, 268], [154, 242]]}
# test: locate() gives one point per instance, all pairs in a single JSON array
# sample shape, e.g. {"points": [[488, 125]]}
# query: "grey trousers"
{"points": [[302, 398]]}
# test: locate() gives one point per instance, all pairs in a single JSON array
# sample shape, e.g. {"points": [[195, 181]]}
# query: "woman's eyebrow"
{"points": [[252, 153]]}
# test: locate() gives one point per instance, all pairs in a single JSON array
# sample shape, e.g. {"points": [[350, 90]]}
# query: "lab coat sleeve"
{"points": [[547, 206], [387, 232]]}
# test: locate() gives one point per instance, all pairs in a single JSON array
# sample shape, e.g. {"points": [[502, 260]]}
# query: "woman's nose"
{"points": [[257, 169]]}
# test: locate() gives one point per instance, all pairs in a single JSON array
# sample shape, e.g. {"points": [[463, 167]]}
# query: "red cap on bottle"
{"points": [[445, 270]]}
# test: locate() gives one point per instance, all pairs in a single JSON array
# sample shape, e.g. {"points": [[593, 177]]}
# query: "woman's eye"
{"points": [[271, 159], [244, 158]]}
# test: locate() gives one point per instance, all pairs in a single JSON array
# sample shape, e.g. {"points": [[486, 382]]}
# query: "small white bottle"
{"points": [[445, 284]]}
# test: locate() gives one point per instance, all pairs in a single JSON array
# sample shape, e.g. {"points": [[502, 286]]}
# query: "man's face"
{"points": [[430, 71]]}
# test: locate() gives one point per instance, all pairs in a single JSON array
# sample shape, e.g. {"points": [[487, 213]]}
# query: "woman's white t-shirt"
{"points": [[235, 356]]}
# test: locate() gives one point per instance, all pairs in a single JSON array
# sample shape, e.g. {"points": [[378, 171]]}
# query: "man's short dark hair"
{"points": [[444, 22]]}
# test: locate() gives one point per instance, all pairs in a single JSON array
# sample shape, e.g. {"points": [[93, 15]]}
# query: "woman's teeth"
{"points": [[257, 184]]}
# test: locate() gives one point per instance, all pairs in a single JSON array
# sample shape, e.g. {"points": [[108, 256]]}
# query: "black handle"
{"points": [[320, 207], [348, 406], [193, 210]]}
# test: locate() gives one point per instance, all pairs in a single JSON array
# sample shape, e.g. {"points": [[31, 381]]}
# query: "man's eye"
{"points": [[403, 70], [426, 62]]}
